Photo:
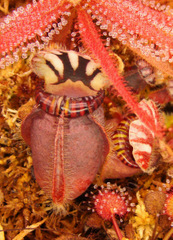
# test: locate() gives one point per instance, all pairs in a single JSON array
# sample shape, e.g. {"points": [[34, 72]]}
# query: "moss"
{"points": [[22, 202]]}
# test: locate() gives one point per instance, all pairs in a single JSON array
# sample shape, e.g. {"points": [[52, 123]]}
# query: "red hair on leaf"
{"points": [[93, 42]]}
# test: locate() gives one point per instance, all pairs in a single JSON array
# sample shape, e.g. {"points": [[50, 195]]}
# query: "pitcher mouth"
{"points": [[70, 106]]}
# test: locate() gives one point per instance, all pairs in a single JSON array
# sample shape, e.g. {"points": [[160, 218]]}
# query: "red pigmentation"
{"points": [[169, 205], [108, 203], [67, 152]]}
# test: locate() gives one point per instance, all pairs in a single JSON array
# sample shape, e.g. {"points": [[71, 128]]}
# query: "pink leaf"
{"points": [[143, 137]]}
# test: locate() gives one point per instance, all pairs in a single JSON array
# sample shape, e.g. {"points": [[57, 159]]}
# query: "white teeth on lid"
{"points": [[90, 68], [56, 62], [99, 81], [49, 66], [74, 59], [42, 69]]}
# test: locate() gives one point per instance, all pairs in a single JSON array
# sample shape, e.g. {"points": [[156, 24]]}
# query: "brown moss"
{"points": [[154, 202], [22, 202]]}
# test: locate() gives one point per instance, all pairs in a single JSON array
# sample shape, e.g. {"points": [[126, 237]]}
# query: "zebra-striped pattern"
{"points": [[122, 146], [67, 67], [71, 107], [56, 67]]}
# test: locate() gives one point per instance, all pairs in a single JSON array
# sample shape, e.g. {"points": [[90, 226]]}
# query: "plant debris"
{"points": [[27, 213]]}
